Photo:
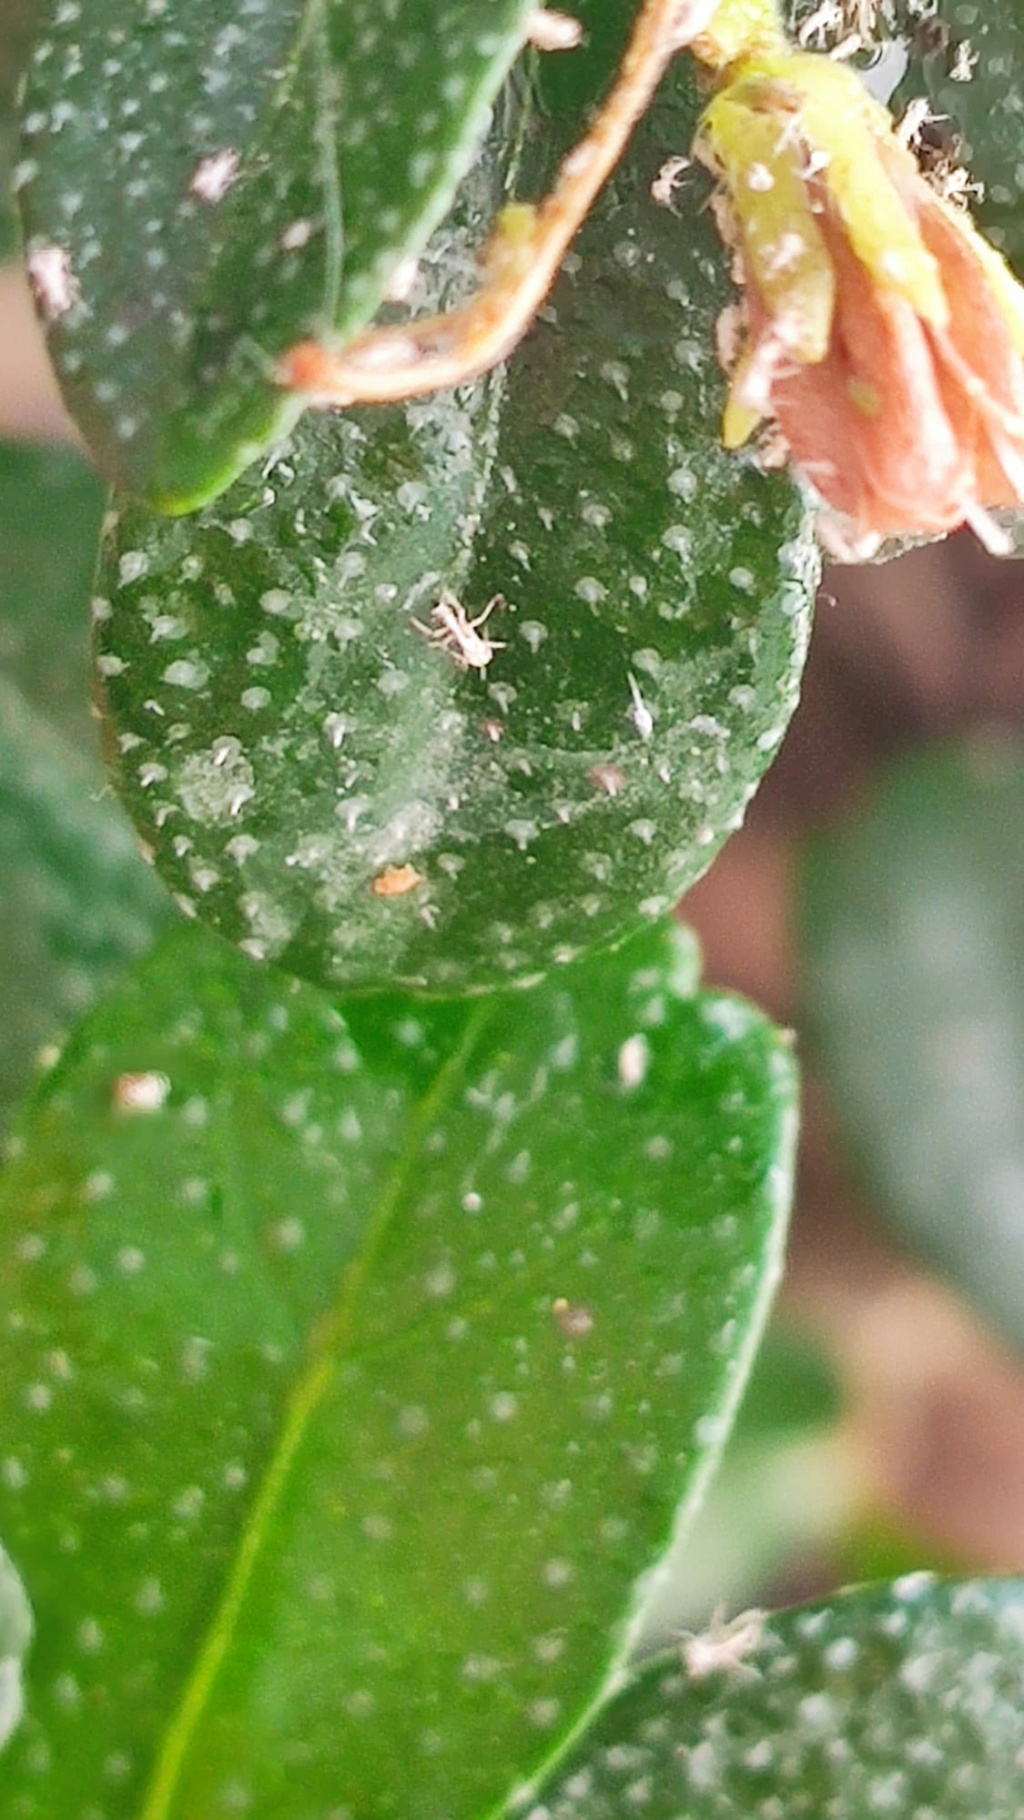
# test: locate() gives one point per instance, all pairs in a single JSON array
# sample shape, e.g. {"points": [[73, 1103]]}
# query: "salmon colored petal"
{"points": [[869, 426], [911, 419], [979, 369], [977, 329]]}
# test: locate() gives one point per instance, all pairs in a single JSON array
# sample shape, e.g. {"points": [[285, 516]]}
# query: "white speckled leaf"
{"points": [[968, 63], [351, 1382], [287, 732], [226, 177], [899, 1702]]}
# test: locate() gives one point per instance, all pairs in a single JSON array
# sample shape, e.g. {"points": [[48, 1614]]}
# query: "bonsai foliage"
{"points": [[386, 1251]]}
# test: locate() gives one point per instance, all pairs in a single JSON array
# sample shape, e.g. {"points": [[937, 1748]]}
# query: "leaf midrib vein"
{"points": [[305, 1400]]}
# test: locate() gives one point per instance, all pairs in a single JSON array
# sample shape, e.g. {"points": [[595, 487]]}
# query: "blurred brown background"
{"points": [[930, 645]]}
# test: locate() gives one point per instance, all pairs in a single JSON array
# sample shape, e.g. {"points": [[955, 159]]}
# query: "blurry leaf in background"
{"points": [[366, 1358], [76, 900], [899, 1700], [51, 507], [787, 1492], [881, 1547], [913, 947], [793, 1390]]}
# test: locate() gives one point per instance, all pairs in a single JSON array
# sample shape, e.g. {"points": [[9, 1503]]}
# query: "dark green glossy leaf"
{"points": [[226, 178], [914, 929], [288, 733], [364, 1360], [76, 901], [968, 62], [899, 1700]]}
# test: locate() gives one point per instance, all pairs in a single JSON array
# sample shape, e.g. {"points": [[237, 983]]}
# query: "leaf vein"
{"points": [[308, 1394]]}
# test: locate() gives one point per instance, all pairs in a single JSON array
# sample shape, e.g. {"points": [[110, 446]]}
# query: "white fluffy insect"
{"points": [[724, 1645], [214, 175], [53, 282], [551, 31], [462, 636], [668, 180]]}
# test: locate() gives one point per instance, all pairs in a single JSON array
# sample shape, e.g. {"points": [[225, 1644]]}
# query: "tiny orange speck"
{"points": [[395, 881]]}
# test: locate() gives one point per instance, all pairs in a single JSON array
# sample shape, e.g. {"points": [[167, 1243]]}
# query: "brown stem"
{"points": [[521, 259]]}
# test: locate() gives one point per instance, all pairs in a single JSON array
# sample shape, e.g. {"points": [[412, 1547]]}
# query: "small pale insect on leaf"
{"points": [[725, 1645], [454, 631]]}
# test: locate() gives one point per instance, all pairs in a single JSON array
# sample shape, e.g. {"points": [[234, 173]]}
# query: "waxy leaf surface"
{"points": [[901, 1700], [357, 1362], [289, 736]]}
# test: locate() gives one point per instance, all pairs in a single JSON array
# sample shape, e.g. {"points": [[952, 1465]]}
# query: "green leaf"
{"points": [[288, 732], [362, 1371], [969, 66], [901, 1700], [15, 27], [51, 505], [15, 1636], [77, 901], [226, 179], [914, 925]]}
